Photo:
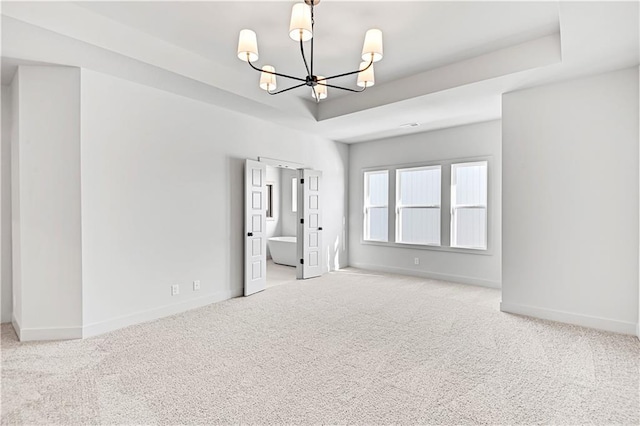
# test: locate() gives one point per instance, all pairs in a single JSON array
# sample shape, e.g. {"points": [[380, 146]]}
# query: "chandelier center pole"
{"points": [[313, 23]]}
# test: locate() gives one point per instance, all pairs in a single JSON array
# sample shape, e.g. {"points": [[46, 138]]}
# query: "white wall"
{"points": [[570, 201], [476, 140], [5, 207], [162, 198], [289, 218], [46, 204]]}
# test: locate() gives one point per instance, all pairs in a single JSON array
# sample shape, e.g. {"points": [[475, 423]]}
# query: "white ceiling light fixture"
{"points": [[301, 30], [366, 76]]}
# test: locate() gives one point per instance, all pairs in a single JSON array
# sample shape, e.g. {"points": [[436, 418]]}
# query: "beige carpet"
{"points": [[348, 347]]}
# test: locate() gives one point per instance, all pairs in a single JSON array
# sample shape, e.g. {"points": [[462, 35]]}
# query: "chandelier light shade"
{"points": [[300, 27], [372, 45], [366, 77], [248, 46], [320, 91], [301, 30], [267, 78]]}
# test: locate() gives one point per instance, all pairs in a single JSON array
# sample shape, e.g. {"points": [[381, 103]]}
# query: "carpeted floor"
{"points": [[349, 347]]}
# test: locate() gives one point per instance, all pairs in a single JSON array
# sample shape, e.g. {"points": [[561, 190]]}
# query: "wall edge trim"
{"points": [[116, 323], [588, 321], [46, 333], [460, 279]]}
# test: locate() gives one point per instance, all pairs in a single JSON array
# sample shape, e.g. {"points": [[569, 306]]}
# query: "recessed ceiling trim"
{"points": [[536, 53]]}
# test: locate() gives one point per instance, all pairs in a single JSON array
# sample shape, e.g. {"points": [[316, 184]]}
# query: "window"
{"points": [[376, 208], [269, 200], [418, 205], [294, 195], [469, 205], [417, 220]]}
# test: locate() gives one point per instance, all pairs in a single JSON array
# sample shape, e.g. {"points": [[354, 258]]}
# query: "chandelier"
{"points": [[301, 30]]}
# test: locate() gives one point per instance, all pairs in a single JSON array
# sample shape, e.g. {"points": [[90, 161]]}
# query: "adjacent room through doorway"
{"points": [[282, 203]]}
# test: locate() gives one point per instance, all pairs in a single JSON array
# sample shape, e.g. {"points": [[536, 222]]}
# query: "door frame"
{"points": [[282, 164]]}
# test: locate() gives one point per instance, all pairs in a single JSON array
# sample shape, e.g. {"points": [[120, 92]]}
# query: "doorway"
{"points": [[283, 223]]}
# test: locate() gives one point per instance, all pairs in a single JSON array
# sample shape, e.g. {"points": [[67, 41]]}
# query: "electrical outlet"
{"points": [[175, 290], [416, 260], [196, 285]]}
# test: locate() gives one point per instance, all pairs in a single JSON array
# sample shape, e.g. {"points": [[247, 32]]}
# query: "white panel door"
{"points": [[255, 221], [309, 224]]}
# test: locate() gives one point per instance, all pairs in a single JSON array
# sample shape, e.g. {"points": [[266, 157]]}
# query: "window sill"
{"points": [[487, 252]]}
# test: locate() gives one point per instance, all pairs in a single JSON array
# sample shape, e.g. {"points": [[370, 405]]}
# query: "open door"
{"points": [[255, 221], [309, 224]]}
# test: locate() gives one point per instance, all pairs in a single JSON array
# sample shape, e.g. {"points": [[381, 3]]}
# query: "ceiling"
{"points": [[445, 63], [416, 39]]}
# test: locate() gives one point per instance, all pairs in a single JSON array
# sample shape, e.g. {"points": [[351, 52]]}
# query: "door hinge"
{"points": [[302, 221], [302, 261], [301, 181]]}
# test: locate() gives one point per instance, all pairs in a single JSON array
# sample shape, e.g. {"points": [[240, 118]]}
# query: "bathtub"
{"points": [[283, 250]]}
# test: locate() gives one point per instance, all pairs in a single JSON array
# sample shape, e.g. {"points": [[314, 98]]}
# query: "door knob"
{"points": [[250, 234]]}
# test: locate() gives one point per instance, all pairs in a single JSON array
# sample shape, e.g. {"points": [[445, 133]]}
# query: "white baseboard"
{"points": [[102, 327], [45, 333], [426, 274], [571, 318]]}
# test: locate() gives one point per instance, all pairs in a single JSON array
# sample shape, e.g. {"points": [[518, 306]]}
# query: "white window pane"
{"points": [[376, 199], [294, 194], [378, 189], [420, 226], [378, 221], [469, 189], [471, 227], [471, 184], [420, 187]]}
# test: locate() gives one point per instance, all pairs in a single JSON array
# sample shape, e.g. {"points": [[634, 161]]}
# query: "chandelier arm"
{"points": [[276, 73], [287, 89], [304, 58], [348, 73], [344, 88]]}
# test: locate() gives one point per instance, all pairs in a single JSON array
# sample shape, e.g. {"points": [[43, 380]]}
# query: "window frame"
{"points": [[445, 200], [455, 207], [399, 207], [366, 206], [269, 213]]}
